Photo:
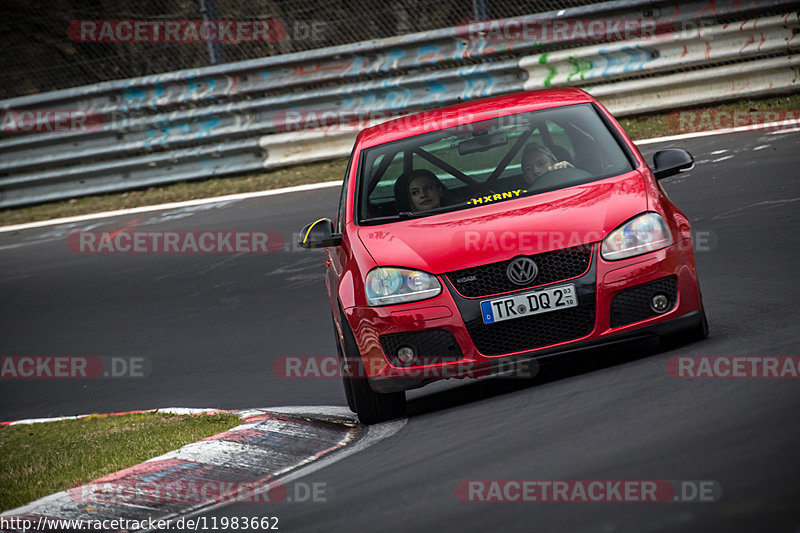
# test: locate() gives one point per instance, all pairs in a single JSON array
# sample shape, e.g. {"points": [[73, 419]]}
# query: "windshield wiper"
{"points": [[404, 215]]}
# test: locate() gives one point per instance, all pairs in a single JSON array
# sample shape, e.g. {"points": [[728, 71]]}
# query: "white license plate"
{"points": [[529, 303]]}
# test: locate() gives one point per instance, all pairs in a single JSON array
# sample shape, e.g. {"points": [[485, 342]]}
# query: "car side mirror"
{"points": [[319, 234], [671, 161]]}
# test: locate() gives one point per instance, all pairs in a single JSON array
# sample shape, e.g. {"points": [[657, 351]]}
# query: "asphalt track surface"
{"points": [[211, 326]]}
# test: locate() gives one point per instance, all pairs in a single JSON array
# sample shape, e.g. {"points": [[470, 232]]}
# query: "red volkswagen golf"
{"points": [[499, 231]]}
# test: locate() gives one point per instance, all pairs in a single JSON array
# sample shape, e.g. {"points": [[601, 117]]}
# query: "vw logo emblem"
{"points": [[522, 270]]}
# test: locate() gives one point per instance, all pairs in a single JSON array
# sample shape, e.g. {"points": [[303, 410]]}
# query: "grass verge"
{"points": [[641, 127], [659, 125], [40, 459], [287, 177]]}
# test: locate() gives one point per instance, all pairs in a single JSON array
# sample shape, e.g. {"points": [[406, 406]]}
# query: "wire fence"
{"points": [[272, 112], [57, 44]]}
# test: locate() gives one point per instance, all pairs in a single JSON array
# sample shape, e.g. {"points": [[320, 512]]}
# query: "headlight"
{"points": [[645, 233], [386, 286]]}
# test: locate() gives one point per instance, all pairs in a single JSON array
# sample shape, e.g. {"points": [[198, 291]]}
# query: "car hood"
{"points": [[500, 230]]}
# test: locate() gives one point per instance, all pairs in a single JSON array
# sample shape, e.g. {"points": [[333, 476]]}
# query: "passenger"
{"points": [[537, 159], [420, 190]]}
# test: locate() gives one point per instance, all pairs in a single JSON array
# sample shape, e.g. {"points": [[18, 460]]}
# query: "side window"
{"points": [[384, 190], [338, 224]]}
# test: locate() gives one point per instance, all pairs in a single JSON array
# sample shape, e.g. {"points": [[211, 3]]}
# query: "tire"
{"points": [[370, 406], [345, 371]]}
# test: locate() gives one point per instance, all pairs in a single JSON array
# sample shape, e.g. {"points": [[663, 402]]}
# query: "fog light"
{"points": [[405, 354], [659, 303]]}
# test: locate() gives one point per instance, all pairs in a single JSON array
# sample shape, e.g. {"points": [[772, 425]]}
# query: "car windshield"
{"points": [[484, 162]]}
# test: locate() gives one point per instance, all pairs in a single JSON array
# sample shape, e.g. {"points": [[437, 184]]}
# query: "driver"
{"points": [[425, 191], [538, 159], [420, 190]]}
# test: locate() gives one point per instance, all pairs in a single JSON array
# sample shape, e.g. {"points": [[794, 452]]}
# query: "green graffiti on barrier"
{"points": [[551, 72], [579, 67]]}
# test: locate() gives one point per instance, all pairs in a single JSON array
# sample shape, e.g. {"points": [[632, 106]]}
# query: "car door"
{"points": [[336, 256]]}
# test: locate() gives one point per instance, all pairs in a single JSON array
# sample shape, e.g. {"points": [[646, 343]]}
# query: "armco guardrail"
{"points": [[255, 115]]}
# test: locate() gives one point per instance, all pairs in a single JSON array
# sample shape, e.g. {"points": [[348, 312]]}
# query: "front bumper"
{"points": [[512, 346]]}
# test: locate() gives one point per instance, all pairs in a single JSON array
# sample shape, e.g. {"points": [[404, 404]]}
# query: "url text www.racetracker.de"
{"points": [[200, 523]]}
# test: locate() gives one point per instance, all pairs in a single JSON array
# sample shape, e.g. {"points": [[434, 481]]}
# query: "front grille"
{"points": [[486, 280], [431, 346], [633, 305], [533, 331]]}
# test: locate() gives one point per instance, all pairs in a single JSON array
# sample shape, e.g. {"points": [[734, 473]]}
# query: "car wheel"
{"points": [[372, 407], [344, 370]]}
